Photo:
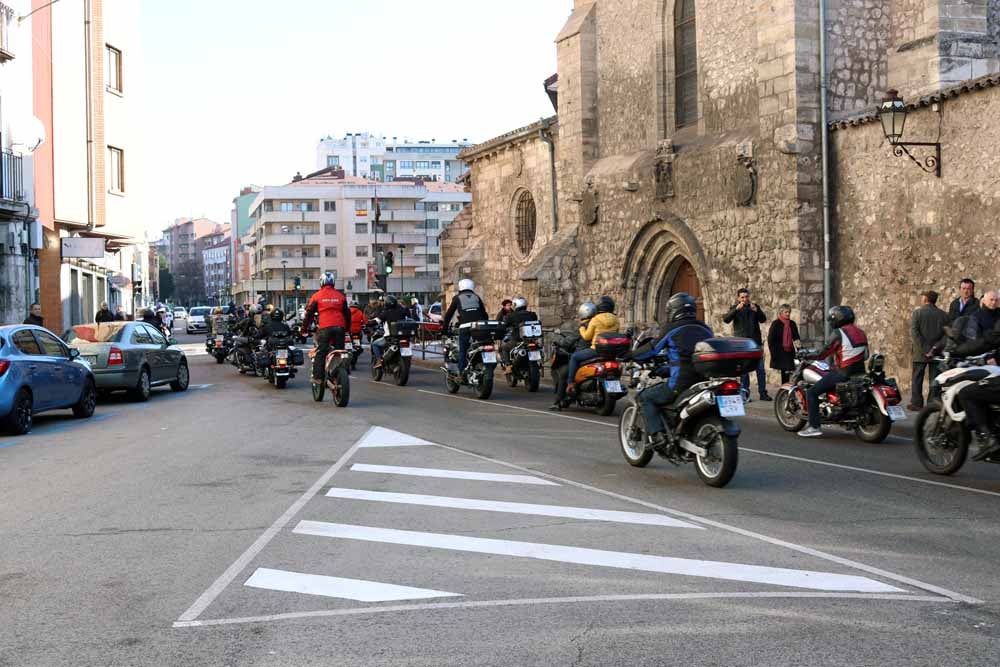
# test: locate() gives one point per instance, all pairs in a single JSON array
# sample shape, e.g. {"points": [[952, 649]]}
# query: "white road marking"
{"points": [[383, 437], [481, 604], [452, 474], [338, 587], [775, 576], [583, 513], [227, 577]]}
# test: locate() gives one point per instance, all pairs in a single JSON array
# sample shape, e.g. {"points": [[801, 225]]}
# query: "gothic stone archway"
{"points": [[681, 278]]}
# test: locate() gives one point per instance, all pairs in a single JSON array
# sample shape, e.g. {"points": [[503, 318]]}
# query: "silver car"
{"points": [[197, 320], [130, 356]]}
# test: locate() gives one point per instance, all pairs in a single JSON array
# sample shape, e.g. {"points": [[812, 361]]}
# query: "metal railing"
{"points": [[12, 181]]}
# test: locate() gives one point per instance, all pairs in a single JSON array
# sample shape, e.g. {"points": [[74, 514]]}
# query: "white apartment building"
{"points": [[368, 156]]}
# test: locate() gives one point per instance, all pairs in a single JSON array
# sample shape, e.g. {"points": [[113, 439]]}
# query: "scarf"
{"points": [[786, 336]]}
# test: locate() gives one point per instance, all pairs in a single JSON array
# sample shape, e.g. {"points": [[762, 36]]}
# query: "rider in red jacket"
{"points": [[849, 347], [358, 319], [330, 305]]}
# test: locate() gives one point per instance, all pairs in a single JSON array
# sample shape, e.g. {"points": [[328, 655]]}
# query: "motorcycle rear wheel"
{"points": [[377, 371], [790, 421], [875, 432], [402, 375], [718, 468], [633, 449], [534, 376], [940, 453], [607, 406], [219, 358], [484, 388], [280, 383], [342, 393]]}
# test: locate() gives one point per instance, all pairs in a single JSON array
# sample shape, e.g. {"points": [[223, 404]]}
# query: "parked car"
{"points": [[39, 372], [180, 313], [130, 356], [197, 319], [434, 313]]}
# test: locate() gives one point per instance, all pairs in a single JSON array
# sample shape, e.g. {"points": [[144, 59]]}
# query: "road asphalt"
{"points": [[238, 524]]}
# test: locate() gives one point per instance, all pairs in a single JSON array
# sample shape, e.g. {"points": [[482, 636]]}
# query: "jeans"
{"points": [[761, 380], [323, 337], [826, 384], [578, 358], [464, 342], [378, 348], [917, 383], [652, 401]]}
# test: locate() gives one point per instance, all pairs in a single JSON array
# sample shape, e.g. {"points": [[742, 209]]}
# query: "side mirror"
{"points": [[74, 353]]}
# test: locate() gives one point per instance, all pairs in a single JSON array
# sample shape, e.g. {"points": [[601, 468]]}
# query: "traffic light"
{"points": [[379, 263], [389, 261], [298, 282]]}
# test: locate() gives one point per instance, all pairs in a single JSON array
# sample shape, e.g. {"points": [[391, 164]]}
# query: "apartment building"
{"points": [[368, 156], [217, 269], [240, 222], [184, 243]]}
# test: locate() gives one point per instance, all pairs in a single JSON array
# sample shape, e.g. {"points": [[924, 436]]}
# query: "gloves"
{"points": [[661, 372]]}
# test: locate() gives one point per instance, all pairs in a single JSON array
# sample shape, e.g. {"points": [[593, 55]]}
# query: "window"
{"points": [[436, 164], [157, 337], [361, 251], [329, 252], [433, 259], [405, 164], [330, 229], [333, 160], [329, 206], [286, 207], [430, 223], [381, 229], [140, 336], [25, 342], [430, 206], [116, 169], [361, 228], [524, 222], [685, 64], [423, 164], [113, 73], [361, 274]]}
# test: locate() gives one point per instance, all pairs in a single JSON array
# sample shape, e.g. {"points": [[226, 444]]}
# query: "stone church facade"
{"points": [[685, 154]]}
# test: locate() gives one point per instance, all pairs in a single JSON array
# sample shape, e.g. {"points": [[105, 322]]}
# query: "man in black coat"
{"points": [[35, 315], [104, 314], [746, 318], [926, 330], [966, 303]]}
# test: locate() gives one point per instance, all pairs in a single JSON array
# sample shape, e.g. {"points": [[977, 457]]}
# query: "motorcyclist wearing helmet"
{"points": [[329, 305], [358, 319], [681, 332], [513, 322], [470, 308], [275, 325], [977, 397], [603, 320], [393, 311], [849, 345]]}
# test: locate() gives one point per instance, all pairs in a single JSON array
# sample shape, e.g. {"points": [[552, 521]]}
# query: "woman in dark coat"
{"points": [[781, 339]]}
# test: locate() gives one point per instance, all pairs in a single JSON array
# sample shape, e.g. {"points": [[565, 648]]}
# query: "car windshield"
{"points": [[95, 333], [203, 312]]}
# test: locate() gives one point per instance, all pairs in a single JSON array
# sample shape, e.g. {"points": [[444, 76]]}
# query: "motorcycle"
{"points": [[244, 355], [525, 362], [699, 424], [397, 354], [867, 404], [219, 346], [335, 376], [481, 360], [356, 349], [943, 435], [598, 382], [282, 359]]}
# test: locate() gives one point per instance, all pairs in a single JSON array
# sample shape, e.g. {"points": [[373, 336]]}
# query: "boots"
{"points": [[989, 444]]}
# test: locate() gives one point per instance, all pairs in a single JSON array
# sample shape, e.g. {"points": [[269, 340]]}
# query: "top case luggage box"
{"points": [[726, 357], [403, 328], [484, 331], [612, 345]]}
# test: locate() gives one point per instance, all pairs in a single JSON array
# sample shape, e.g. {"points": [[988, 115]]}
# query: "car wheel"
{"points": [[20, 420], [84, 408], [183, 378], [142, 387]]}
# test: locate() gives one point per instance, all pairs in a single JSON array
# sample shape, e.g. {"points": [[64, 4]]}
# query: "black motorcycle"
{"points": [[481, 360], [397, 354], [245, 352], [282, 359], [525, 362], [219, 346], [355, 348]]}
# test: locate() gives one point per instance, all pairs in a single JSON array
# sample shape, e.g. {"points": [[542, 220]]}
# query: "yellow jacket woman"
{"points": [[600, 323], [603, 320]]}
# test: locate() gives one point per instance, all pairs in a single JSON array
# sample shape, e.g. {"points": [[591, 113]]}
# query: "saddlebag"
{"points": [[612, 345], [851, 393], [725, 357], [298, 358], [404, 329]]}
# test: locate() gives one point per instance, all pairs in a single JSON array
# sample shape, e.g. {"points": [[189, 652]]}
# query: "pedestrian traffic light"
{"points": [[389, 261]]}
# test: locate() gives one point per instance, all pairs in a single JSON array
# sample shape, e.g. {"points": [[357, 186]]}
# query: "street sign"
{"points": [[372, 281]]}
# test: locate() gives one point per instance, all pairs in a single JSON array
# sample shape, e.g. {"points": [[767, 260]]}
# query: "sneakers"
{"points": [[810, 432]]}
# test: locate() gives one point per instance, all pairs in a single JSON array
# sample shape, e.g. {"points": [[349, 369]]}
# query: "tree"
{"points": [[190, 283], [167, 286]]}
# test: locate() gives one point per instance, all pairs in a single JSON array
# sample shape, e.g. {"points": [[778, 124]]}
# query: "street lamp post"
{"points": [[892, 114], [284, 285]]}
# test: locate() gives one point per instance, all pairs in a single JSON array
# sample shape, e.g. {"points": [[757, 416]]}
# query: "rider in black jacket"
{"points": [[976, 398], [393, 311], [275, 325], [513, 323], [470, 308]]}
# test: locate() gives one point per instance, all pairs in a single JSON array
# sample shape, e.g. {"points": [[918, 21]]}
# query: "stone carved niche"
{"points": [[590, 208], [517, 161], [746, 175], [663, 170]]}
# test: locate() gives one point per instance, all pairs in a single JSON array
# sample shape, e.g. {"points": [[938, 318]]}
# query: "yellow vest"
{"points": [[600, 323]]}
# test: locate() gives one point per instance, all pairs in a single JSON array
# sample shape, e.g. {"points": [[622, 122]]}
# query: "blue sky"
{"points": [[240, 91]]}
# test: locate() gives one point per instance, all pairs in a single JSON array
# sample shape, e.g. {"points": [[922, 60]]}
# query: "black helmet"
{"points": [[391, 302], [605, 304], [277, 315], [681, 306], [838, 316]]}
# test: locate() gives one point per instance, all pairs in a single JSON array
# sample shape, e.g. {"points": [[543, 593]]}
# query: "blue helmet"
{"points": [[328, 279]]}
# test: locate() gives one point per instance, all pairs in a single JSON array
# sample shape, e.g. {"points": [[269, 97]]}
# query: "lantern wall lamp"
{"points": [[892, 114]]}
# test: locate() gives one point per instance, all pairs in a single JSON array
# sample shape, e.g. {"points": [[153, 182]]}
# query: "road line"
{"points": [[775, 576], [486, 604], [957, 597], [583, 513], [451, 474], [233, 570], [359, 590], [384, 437]]}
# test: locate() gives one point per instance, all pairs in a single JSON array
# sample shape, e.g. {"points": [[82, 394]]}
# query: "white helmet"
{"points": [[466, 284]]}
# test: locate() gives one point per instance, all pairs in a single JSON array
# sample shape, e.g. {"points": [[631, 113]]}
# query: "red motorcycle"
{"points": [[867, 404]]}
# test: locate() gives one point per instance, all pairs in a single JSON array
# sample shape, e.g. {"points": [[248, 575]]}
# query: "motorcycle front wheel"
{"points": [[376, 372], [942, 445], [788, 414], [632, 438], [717, 468], [319, 390]]}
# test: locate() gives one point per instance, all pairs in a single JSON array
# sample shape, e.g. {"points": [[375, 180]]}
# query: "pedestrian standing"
{"points": [[746, 318], [506, 308], [104, 314], [35, 315], [927, 325], [120, 313], [966, 303], [781, 339], [416, 310], [985, 318]]}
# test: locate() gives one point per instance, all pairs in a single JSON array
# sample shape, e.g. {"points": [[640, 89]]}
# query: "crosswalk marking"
{"points": [[824, 581], [584, 513], [383, 437], [452, 474], [337, 587]]}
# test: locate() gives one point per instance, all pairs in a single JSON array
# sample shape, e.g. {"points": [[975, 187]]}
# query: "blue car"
{"points": [[39, 372]]}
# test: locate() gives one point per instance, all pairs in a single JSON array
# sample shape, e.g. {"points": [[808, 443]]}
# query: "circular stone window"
{"points": [[524, 222]]}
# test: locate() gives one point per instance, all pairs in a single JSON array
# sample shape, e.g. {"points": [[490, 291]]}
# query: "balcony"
{"points": [[396, 239], [291, 239], [402, 216], [274, 263], [12, 181], [288, 216]]}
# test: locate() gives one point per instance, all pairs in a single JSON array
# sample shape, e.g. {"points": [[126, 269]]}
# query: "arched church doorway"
{"points": [[681, 278]]}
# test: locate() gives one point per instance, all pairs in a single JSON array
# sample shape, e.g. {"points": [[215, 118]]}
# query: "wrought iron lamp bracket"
{"points": [[930, 164]]}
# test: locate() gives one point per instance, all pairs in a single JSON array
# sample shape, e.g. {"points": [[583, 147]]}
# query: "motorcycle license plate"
{"points": [[218, 343], [730, 406], [405, 352], [613, 386], [534, 355], [896, 413], [348, 346], [489, 357], [281, 354]]}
